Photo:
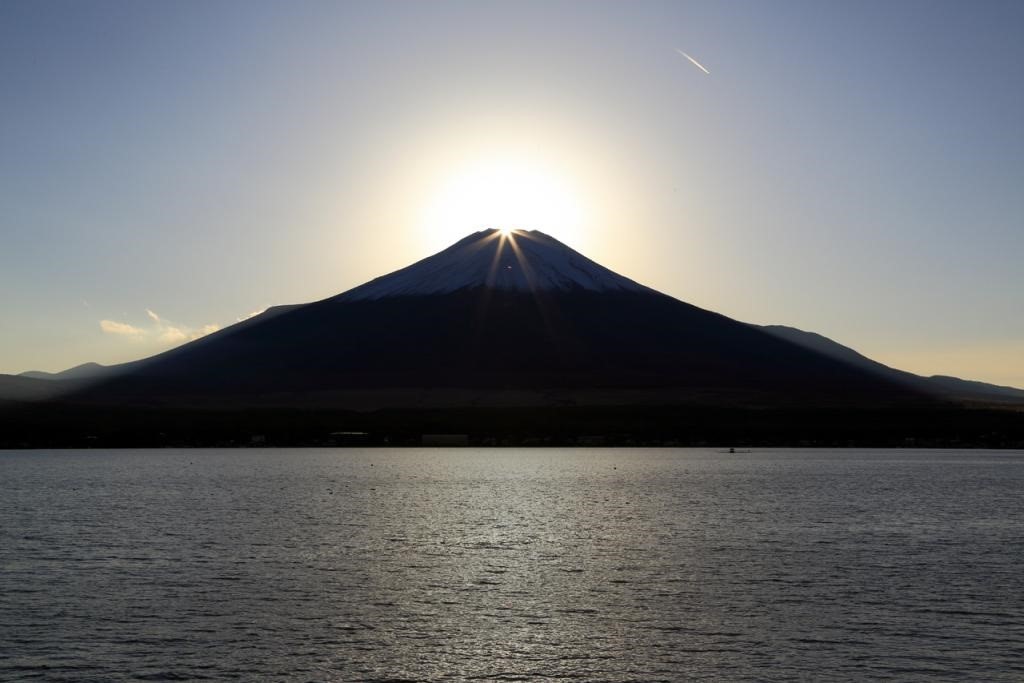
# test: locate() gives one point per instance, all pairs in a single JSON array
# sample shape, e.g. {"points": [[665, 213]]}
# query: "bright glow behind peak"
{"points": [[508, 195]]}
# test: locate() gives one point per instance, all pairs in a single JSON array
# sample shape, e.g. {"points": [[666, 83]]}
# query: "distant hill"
{"points": [[973, 390], [21, 388], [83, 371]]}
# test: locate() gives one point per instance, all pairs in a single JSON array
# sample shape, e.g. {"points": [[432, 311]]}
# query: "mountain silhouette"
{"points": [[497, 313]]}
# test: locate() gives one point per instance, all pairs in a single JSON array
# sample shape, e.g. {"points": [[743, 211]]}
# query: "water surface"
{"points": [[507, 564]]}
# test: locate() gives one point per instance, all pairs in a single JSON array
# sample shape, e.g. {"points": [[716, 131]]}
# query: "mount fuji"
{"points": [[497, 318]]}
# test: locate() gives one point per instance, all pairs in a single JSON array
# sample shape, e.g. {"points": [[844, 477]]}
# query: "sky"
{"points": [[854, 169]]}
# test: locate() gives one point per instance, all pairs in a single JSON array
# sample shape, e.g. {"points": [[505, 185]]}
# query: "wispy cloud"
{"points": [[172, 335], [122, 329], [160, 330], [693, 61]]}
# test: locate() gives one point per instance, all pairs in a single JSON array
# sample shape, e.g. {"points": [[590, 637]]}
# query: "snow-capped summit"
{"points": [[517, 260]]}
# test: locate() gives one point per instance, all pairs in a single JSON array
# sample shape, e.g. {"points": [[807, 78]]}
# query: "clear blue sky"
{"points": [[854, 169]]}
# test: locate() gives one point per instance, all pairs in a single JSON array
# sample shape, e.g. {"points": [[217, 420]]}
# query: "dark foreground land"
{"points": [[57, 425]]}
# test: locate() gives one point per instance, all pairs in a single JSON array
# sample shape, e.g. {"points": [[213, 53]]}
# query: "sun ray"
{"points": [[524, 263], [493, 270]]}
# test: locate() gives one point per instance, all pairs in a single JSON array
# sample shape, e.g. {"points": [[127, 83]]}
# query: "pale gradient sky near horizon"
{"points": [[855, 169]]}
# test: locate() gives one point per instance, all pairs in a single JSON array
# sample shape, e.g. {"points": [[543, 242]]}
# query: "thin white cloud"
{"points": [[122, 329], [693, 61], [161, 330]]}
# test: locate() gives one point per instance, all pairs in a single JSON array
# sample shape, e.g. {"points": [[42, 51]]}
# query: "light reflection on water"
{"points": [[605, 564]]}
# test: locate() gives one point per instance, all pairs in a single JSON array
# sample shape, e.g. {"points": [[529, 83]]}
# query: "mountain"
{"points": [[495, 318]]}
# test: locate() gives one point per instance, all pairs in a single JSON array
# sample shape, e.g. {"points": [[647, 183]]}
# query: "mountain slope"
{"points": [[944, 386]]}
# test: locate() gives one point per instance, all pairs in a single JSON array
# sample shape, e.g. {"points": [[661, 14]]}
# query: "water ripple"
{"points": [[538, 565]]}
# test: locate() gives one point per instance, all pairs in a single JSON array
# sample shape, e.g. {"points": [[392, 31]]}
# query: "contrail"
{"points": [[694, 61]]}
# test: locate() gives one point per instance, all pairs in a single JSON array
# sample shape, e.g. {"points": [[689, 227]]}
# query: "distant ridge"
{"points": [[83, 371]]}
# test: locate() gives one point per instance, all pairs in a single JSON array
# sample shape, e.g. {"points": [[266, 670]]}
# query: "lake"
{"points": [[511, 564]]}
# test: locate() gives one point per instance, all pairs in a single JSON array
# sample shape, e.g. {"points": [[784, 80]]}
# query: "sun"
{"points": [[504, 194]]}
